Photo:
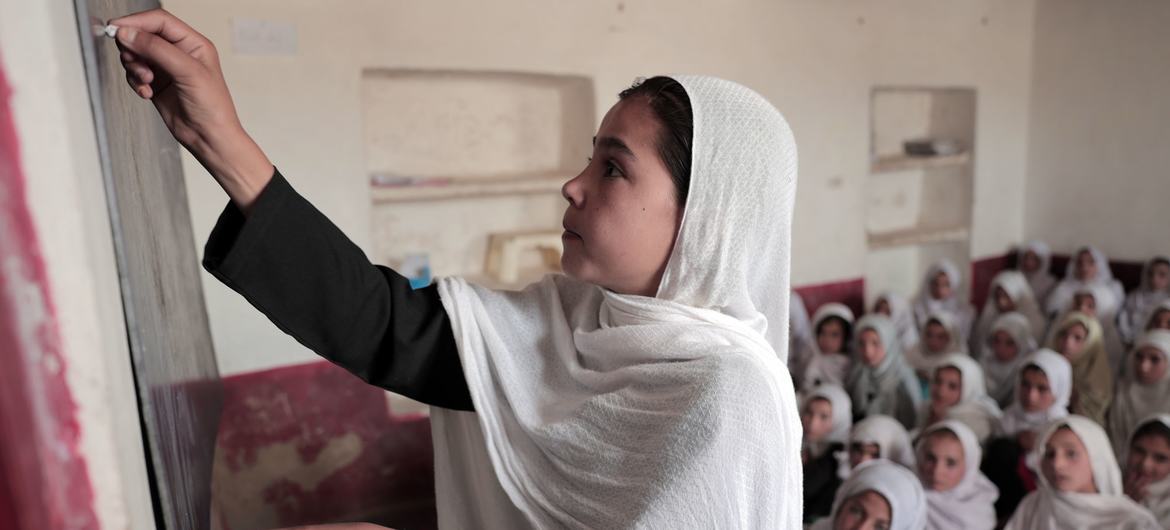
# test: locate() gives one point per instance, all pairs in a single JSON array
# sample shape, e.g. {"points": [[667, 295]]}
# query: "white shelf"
{"points": [[464, 188], [889, 163], [917, 236]]}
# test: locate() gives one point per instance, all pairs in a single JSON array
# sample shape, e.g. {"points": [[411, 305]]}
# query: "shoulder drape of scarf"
{"points": [[1001, 375], [975, 408], [601, 410], [1157, 499], [817, 367], [970, 505], [894, 483], [890, 388], [1134, 400], [1017, 288], [1042, 281], [1059, 373], [1049, 509], [925, 304], [1092, 373]]}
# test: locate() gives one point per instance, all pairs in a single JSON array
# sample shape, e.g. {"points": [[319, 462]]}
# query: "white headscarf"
{"points": [[902, 316], [601, 410], [1002, 376], [1149, 320], [1062, 295], [970, 505], [924, 361], [898, 485], [1134, 400], [1059, 373], [889, 388], [925, 305], [1140, 303], [1106, 314], [891, 437], [1049, 509], [1042, 281], [842, 417], [975, 408], [818, 367], [1157, 499], [1017, 288]]}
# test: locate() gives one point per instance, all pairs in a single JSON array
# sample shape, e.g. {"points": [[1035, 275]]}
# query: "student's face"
{"points": [[1149, 458], [1160, 276], [1031, 262], [1086, 267], [940, 286], [946, 388], [936, 337], [867, 510], [873, 352], [882, 307], [623, 215], [942, 464], [1004, 346], [1071, 341], [817, 419], [1035, 394], [863, 452], [1066, 463], [831, 336], [1085, 303], [1149, 365], [1003, 301], [1160, 320]]}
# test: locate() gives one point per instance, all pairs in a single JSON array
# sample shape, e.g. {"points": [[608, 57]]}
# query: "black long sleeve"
{"points": [[290, 262]]}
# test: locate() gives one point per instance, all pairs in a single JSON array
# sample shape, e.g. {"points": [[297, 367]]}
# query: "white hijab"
{"points": [[970, 505], [925, 305], [889, 388], [924, 361], [1140, 303], [601, 410], [1135, 401], [1106, 315], [1149, 320], [818, 367], [975, 408], [902, 316], [842, 417], [1157, 499], [889, 435], [1042, 281], [1002, 376], [1062, 295], [1059, 373], [895, 483], [1049, 509], [1017, 288]]}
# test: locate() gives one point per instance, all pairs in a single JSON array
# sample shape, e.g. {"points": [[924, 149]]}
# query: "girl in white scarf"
{"points": [[878, 495], [1088, 266], [880, 382], [1147, 466], [958, 495], [940, 293], [957, 392], [1154, 290], [896, 307], [880, 437], [598, 407], [1095, 301], [1009, 340], [827, 417], [1034, 259], [1009, 293], [1144, 389], [1159, 317], [827, 359], [941, 335], [1080, 484]]}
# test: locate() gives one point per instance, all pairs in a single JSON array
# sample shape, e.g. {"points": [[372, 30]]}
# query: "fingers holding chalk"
{"points": [[110, 31]]}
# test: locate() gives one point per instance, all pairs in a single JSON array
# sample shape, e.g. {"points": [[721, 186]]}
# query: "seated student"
{"points": [[1159, 317], [940, 336], [1009, 341], [958, 495], [827, 417], [1091, 300], [826, 360], [1143, 390], [1088, 266], [1147, 467], [940, 293], [1080, 484], [880, 437], [879, 495], [1044, 386], [957, 392], [799, 330], [880, 382], [1010, 293], [1034, 259], [896, 307], [1079, 339], [1154, 289]]}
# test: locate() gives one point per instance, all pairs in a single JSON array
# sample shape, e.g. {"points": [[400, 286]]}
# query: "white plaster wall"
{"points": [[1099, 170], [817, 60], [41, 54]]}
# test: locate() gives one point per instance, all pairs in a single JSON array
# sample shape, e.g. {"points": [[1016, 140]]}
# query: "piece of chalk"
{"points": [[111, 31]]}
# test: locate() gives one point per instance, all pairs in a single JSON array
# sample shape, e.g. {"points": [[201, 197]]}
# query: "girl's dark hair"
{"points": [[846, 327], [671, 105], [1152, 428]]}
